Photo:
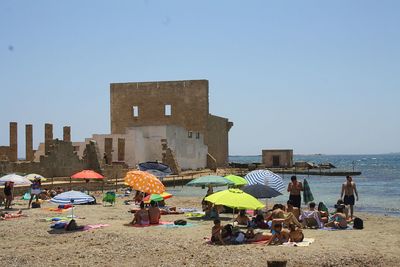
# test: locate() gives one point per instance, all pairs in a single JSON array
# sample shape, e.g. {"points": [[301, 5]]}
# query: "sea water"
{"points": [[378, 186]]}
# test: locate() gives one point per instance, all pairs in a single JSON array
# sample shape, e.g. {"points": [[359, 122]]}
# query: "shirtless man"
{"points": [[294, 189], [348, 190], [279, 216]]}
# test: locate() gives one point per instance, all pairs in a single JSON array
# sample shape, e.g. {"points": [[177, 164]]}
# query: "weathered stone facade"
{"points": [[181, 103], [278, 158]]}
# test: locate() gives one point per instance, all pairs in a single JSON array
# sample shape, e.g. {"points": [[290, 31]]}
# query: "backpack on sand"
{"points": [[180, 222], [358, 223]]}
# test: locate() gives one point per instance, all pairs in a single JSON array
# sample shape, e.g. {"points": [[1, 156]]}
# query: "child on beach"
{"points": [[279, 235], [295, 234], [216, 236]]}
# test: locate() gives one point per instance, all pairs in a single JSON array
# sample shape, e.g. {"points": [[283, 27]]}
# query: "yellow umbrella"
{"points": [[34, 176], [144, 182], [236, 199]]}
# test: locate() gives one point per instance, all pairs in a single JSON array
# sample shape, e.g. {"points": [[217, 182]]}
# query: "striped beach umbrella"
{"points": [[265, 177]]}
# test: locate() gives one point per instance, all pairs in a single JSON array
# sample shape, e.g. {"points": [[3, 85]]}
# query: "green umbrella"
{"points": [[239, 181], [210, 180], [307, 195], [236, 199]]}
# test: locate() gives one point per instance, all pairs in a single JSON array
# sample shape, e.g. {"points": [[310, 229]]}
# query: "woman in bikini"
{"points": [[338, 220], [295, 234]]}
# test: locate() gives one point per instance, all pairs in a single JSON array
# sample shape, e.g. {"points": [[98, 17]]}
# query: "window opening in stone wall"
{"points": [[135, 111], [197, 135], [190, 134], [168, 110]]}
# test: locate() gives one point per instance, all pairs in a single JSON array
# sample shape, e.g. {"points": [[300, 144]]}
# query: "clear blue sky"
{"points": [[315, 76]]}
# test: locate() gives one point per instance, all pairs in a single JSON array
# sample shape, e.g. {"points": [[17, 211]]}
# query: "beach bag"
{"points": [[180, 222], [35, 205], [358, 223]]}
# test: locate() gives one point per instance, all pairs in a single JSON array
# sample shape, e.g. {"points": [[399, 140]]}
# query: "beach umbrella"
{"points": [[307, 194], [72, 197], [158, 169], [210, 180], [236, 199], [87, 174], [157, 197], [144, 182], [261, 191], [34, 176], [15, 178], [239, 181], [265, 177]]}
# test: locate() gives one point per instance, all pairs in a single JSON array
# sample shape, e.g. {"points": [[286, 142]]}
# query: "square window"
{"points": [[168, 110], [190, 134], [135, 111]]}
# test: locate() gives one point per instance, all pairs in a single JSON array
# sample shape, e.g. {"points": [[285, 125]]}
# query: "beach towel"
{"points": [[189, 210], [195, 214], [260, 242], [307, 195], [179, 226], [349, 227], [94, 226], [305, 243], [149, 225], [57, 210], [26, 196]]}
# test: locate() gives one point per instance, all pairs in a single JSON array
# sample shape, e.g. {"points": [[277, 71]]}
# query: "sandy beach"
{"points": [[29, 241]]}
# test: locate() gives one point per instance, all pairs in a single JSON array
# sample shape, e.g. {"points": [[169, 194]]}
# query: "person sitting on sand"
{"points": [[154, 213], [251, 236], [312, 218], [59, 190], [279, 216], [338, 220], [141, 216], [292, 209], [6, 215], [340, 202], [216, 236], [242, 218], [166, 209], [279, 235], [295, 234]]}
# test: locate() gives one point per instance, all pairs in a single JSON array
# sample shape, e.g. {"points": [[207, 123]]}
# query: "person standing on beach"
{"points": [[8, 192], [294, 189], [35, 191], [349, 189]]}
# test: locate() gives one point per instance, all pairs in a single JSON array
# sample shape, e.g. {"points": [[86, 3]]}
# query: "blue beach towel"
{"points": [[178, 226]]}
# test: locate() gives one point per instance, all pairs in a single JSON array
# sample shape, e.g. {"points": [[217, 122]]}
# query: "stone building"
{"points": [[182, 104], [277, 158]]}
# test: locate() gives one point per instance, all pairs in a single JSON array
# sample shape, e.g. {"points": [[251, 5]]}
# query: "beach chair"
{"points": [[109, 197]]}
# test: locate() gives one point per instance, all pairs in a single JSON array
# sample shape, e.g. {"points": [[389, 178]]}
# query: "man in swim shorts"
{"points": [[294, 189], [349, 189]]}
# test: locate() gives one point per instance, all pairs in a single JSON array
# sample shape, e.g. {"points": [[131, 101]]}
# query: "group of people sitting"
{"points": [[284, 222], [148, 216]]}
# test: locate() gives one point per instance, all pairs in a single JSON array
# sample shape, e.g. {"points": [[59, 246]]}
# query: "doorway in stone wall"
{"points": [[276, 161]]}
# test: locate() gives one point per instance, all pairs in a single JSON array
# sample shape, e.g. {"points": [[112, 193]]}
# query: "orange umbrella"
{"points": [[87, 174], [144, 182]]}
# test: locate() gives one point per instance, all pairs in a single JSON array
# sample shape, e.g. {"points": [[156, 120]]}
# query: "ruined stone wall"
{"points": [[188, 101], [218, 142], [4, 153]]}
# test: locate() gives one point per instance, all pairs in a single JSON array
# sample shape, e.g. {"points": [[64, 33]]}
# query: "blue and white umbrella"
{"points": [[72, 197], [267, 178], [158, 169]]}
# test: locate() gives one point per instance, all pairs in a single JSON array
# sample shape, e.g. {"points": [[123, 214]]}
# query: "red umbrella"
{"points": [[87, 174]]}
